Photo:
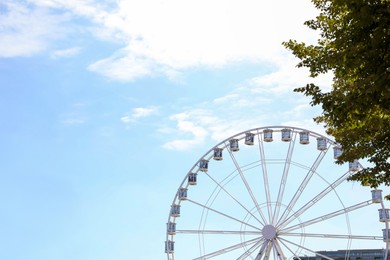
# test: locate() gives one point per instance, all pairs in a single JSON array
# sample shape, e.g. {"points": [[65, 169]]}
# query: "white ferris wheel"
{"points": [[274, 193]]}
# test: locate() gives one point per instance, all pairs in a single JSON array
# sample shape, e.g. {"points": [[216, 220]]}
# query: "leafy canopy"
{"points": [[354, 45]]}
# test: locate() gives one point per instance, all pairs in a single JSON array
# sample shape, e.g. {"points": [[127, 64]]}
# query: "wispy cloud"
{"points": [[123, 67], [29, 27], [73, 121], [64, 53], [172, 36], [139, 112], [75, 115], [185, 127], [27, 30], [287, 77], [261, 101]]}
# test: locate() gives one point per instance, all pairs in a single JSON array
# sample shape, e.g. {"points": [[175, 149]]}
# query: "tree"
{"points": [[354, 45]]}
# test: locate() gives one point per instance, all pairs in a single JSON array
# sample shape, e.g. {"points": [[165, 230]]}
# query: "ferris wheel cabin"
{"points": [[249, 138], [386, 235], [218, 154], [322, 144], [204, 165], [354, 166], [384, 215], [175, 210], [192, 178], [233, 144], [376, 196], [171, 228], [337, 151], [268, 135], [169, 247], [286, 135], [182, 193], [304, 137]]}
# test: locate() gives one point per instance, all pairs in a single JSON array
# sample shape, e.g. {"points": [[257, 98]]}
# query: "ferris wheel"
{"points": [[274, 193]]}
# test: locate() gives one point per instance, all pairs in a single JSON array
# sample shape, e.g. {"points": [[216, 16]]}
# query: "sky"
{"points": [[105, 106]]}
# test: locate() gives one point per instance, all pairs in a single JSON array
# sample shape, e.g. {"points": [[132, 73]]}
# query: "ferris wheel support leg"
{"points": [[263, 250], [278, 249], [268, 251], [250, 250]]}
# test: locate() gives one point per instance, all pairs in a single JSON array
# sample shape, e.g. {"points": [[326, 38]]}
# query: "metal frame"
{"points": [[273, 214]]}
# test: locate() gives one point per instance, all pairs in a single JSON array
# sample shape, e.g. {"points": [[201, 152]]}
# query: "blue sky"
{"points": [[105, 106]]}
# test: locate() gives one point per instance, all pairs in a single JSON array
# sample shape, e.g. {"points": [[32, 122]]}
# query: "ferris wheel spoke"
{"points": [[222, 214], [334, 236], [246, 254], [290, 250], [314, 200], [227, 249], [307, 249], [302, 187], [248, 188], [327, 216], [278, 250], [274, 252], [265, 177], [264, 250], [250, 166], [218, 232], [236, 200], [284, 178], [268, 251]]}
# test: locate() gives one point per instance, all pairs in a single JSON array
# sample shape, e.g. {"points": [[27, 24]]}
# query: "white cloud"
{"points": [[75, 114], [123, 67], [175, 35], [73, 121], [144, 112], [199, 123], [126, 119], [92, 9], [212, 126], [167, 36], [139, 112], [164, 36], [29, 27], [288, 77], [184, 126], [64, 53], [264, 100], [27, 30]]}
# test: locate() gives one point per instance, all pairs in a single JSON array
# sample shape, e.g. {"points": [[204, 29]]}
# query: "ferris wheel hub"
{"points": [[269, 232]]}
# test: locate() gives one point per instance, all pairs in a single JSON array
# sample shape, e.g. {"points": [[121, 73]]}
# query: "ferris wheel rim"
{"points": [[224, 144]]}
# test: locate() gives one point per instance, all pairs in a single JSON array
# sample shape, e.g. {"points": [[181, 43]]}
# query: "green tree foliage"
{"points": [[354, 45]]}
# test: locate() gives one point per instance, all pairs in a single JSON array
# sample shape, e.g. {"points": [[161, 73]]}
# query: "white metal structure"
{"points": [[272, 193]]}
